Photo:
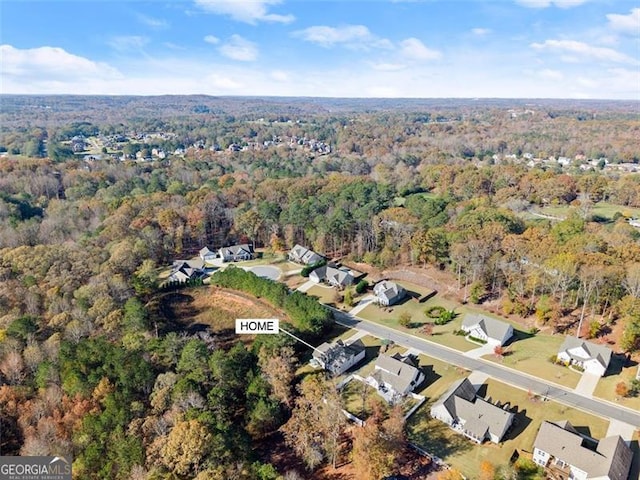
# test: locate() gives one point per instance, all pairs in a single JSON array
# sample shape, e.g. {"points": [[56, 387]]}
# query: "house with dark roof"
{"points": [[388, 293], [185, 270], [560, 447], [332, 275], [395, 376], [474, 417], [491, 330], [339, 357], [305, 256], [592, 357], [236, 253]]}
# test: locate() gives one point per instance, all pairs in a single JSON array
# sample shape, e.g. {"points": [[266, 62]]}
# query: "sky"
{"points": [[329, 48]]}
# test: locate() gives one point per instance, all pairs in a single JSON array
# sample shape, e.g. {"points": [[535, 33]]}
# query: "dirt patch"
{"points": [[213, 309]]}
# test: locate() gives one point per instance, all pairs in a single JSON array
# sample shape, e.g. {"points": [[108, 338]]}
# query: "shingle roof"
{"points": [[398, 372], [480, 416], [387, 289], [492, 327], [611, 457], [601, 353], [336, 354]]}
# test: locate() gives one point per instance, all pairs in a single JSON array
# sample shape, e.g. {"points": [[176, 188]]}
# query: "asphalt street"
{"points": [[504, 374]]}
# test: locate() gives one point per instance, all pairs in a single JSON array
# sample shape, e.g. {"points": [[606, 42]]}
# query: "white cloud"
{"points": [[152, 22], [329, 36], [224, 83], [212, 40], [481, 31], [238, 48], [414, 49], [548, 3], [626, 23], [388, 67], [583, 50], [548, 74], [127, 43], [247, 11], [25, 65], [280, 75]]}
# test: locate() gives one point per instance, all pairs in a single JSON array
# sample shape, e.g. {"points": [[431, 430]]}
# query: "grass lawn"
{"points": [[442, 334], [606, 387], [326, 295], [531, 355], [466, 456], [601, 209]]}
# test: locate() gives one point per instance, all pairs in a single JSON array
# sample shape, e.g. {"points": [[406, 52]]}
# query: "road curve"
{"points": [[499, 372]]}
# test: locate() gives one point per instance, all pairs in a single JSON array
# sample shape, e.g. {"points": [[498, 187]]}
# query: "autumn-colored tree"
{"points": [[280, 372], [316, 422], [622, 390], [186, 447], [498, 351], [449, 474], [428, 328]]}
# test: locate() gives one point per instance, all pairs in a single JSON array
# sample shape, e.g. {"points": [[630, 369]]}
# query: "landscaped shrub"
{"points": [[445, 317], [460, 333], [362, 286], [435, 311], [405, 319], [477, 340]]}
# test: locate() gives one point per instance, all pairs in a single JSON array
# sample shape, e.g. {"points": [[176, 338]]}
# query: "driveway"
{"points": [[587, 384], [362, 304], [486, 349], [306, 286]]}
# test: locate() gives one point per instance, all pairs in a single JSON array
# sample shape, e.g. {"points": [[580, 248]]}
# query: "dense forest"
{"points": [[88, 364]]}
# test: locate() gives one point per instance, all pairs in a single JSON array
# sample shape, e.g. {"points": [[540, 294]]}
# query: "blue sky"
{"points": [[353, 48]]}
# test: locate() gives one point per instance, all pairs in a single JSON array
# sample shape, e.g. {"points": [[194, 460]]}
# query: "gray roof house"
{"points": [[474, 417], [207, 255], [560, 446], [236, 253], [395, 376], [300, 254], [592, 357], [185, 270], [388, 293], [339, 357], [491, 330], [334, 276]]}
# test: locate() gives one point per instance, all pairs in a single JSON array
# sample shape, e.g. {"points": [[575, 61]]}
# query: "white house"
{"points": [[559, 445], [491, 330], [185, 270], [236, 253], [472, 416], [388, 293], [339, 357], [395, 376], [207, 255], [593, 358]]}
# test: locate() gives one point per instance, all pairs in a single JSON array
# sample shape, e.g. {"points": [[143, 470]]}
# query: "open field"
{"points": [[604, 210], [466, 456], [212, 308], [606, 387], [531, 354]]}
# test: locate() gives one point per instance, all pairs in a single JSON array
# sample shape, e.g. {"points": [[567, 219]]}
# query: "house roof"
{"points": [[333, 355], [237, 249], [611, 457], [396, 371], [334, 275], [305, 255], [492, 327], [205, 251], [480, 416], [582, 350], [387, 289]]}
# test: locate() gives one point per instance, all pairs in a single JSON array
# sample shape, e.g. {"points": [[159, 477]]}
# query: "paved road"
{"points": [[513, 377]]}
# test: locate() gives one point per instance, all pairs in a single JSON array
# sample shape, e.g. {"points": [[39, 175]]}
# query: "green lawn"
{"points": [[531, 355], [606, 387], [466, 456], [326, 295], [442, 334], [601, 209]]}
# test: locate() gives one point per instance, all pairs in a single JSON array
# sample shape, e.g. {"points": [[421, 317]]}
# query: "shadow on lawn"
{"points": [[519, 425], [618, 362]]}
